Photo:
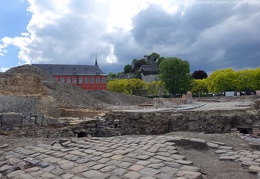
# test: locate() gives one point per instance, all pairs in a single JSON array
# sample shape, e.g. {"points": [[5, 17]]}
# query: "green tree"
{"points": [[175, 73], [159, 60], [154, 56], [127, 68]]}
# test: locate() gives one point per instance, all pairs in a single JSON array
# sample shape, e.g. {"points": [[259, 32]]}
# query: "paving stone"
{"points": [[190, 168], [119, 171], [71, 157], [51, 160], [132, 175], [225, 148], [143, 157], [108, 168], [67, 176], [103, 160], [189, 174], [253, 156], [149, 171], [241, 159], [98, 166], [57, 171], [120, 152], [167, 159], [81, 161], [36, 174], [90, 164], [116, 157], [4, 168], [184, 162], [106, 155], [48, 169], [68, 165], [15, 174], [96, 158], [249, 163], [147, 177], [136, 167], [47, 175], [143, 163], [79, 169], [31, 170], [12, 161], [24, 176], [165, 154], [169, 171], [227, 158], [31, 161], [254, 169], [221, 151], [178, 157], [212, 145], [124, 164], [95, 174], [219, 143], [156, 166], [43, 164]]}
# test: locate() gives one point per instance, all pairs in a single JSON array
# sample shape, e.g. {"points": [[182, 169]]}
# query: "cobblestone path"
{"points": [[144, 157]]}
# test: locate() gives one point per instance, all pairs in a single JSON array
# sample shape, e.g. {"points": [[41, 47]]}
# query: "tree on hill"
{"points": [[159, 60], [175, 73], [199, 74], [154, 56], [127, 68]]}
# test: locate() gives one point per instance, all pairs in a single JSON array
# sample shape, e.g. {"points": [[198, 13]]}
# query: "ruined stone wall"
{"points": [[19, 104], [163, 122], [21, 84]]}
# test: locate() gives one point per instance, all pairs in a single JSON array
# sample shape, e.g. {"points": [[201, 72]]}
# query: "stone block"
{"points": [[11, 120], [189, 174], [185, 141], [254, 169], [40, 119], [193, 125]]}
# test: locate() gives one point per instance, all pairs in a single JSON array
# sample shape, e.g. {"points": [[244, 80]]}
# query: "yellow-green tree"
{"points": [[199, 86], [128, 86], [222, 80], [156, 88]]}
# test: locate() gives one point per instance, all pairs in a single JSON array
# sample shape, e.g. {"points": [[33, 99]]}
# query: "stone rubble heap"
{"points": [[145, 157]]}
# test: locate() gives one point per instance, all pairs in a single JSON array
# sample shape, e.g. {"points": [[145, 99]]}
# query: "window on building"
{"points": [[97, 80], [67, 79], [86, 80], [103, 80], [92, 80], [74, 80], [62, 80], [50, 70], [74, 71], [80, 80]]}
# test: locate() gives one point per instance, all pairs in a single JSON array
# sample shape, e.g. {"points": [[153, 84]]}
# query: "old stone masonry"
{"points": [[144, 157]]}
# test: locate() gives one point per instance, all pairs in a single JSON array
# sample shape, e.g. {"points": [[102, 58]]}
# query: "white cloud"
{"points": [[4, 69], [71, 31]]}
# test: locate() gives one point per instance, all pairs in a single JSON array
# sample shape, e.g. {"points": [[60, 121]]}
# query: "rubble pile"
{"points": [[28, 81]]}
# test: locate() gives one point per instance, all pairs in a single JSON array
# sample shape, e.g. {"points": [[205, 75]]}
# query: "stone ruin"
{"points": [[187, 99]]}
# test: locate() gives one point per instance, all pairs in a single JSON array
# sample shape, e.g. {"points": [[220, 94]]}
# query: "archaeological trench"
{"points": [[40, 106]]}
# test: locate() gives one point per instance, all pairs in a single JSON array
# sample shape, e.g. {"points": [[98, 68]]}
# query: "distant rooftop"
{"points": [[63, 69]]}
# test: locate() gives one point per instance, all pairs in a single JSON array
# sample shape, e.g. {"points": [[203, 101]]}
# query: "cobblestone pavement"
{"points": [[144, 157]]}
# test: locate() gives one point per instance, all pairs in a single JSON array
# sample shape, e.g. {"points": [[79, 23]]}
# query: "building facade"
{"points": [[87, 77]]}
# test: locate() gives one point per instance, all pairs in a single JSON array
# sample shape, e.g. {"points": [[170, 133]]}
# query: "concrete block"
{"points": [[11, 120]]}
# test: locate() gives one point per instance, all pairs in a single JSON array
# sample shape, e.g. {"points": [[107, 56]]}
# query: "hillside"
{"points": [[29, 81]]}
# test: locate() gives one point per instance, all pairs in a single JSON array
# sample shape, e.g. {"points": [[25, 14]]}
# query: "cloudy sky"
{"points": [[210, 34]]}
